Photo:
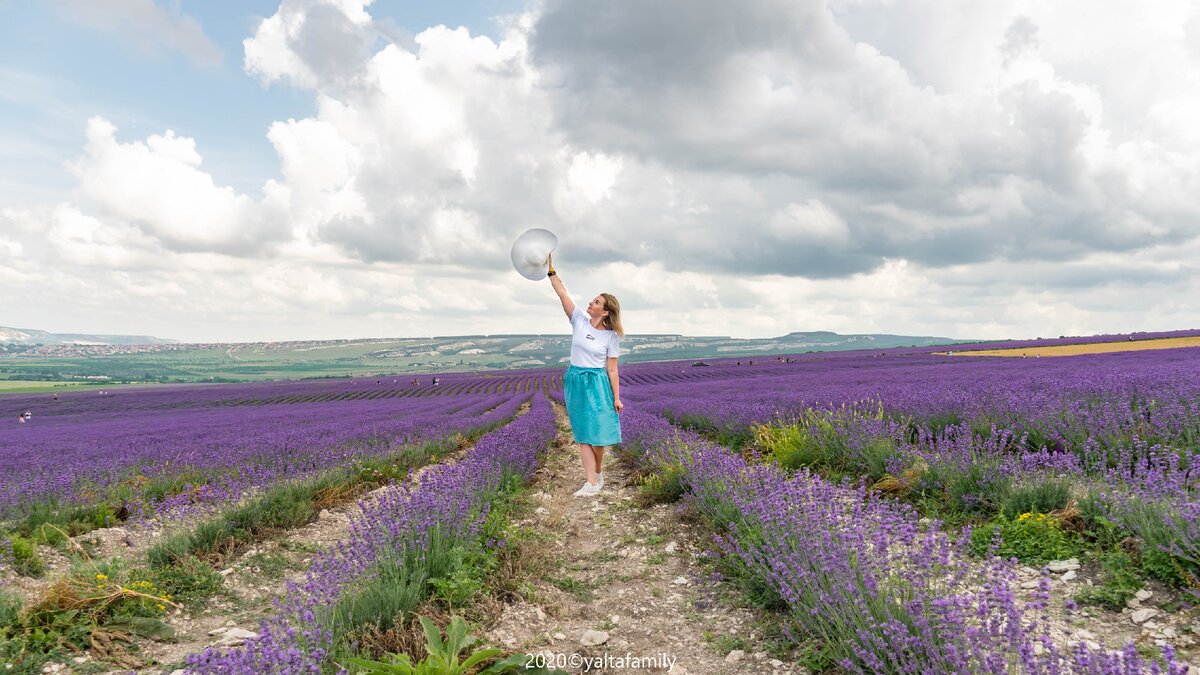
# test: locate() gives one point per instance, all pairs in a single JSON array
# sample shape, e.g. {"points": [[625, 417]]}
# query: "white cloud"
{"points": [[311, 42], [158, 185], [593, 174], [758, 168], [808, 223]]}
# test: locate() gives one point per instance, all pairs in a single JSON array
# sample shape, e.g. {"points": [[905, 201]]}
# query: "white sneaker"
{"points": [[588, 490], [599, 481]]}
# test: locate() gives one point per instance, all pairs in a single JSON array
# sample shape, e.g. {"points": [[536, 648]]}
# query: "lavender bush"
{"points": [[398, 530], [858, 572]]}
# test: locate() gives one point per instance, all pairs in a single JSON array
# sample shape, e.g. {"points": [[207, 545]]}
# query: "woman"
{"points": [[591, 387]]}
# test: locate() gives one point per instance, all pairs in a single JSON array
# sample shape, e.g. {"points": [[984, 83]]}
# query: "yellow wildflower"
{"points": [[101, 577]]}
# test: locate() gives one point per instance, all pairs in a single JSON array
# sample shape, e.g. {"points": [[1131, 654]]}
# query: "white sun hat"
{"points": [[531, 253]]}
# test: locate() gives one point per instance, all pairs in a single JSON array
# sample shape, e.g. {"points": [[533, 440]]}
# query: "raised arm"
{"points": [[567, 304]]}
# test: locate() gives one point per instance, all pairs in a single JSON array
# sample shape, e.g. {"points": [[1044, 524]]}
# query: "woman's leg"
{"points": [[598, 451], [589, 462]]}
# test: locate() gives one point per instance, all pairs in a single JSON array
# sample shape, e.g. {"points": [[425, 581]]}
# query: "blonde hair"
{"points": [[613, 320]]}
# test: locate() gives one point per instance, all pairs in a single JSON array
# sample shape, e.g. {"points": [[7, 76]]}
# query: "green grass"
{"points": [[267, 565], [583, 592], [282, 507], [18, 386], [1119, 581], [93, 601], [726, 643], [22, 554], [1032, 538], [449, 571]]}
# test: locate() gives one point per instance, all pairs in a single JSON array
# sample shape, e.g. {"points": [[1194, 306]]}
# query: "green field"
{"points": [[35, 385], [249, 362], [244, 363]]}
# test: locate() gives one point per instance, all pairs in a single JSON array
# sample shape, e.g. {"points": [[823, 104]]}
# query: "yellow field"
{"points": [[34, 385], [1094, 348]]}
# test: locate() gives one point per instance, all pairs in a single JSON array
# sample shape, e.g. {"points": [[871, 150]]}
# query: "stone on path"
{"points": [[235, 637], [1059, 566], [735, 656], [591, 638], [1143, 615]]}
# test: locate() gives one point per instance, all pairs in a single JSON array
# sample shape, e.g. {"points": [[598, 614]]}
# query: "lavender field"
{"points": [[892, 510], [137, 448]]}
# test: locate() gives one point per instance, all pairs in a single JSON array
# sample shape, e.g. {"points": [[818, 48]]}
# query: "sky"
{"points": [[326, 169]]}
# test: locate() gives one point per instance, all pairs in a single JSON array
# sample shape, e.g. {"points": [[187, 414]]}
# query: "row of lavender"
{"points": [[927, 386], [860, 574], [396, 536], [135, 399], [79, 442], [83, 457], [1124, 429]]}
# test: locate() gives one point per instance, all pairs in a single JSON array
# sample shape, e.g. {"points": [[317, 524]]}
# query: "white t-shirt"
{"points": [[590, 347]]}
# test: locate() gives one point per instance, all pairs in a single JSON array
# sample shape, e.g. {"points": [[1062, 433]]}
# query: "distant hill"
{"points": [[103, 358], [30, 336]]}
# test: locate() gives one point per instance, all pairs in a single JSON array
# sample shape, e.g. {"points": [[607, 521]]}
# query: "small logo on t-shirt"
{"points": [[590, 337]]}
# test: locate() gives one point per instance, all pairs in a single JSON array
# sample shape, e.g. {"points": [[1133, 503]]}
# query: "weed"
{"points": [[1030, 537], [22, 554], [296, 546], [464, 580], [189, 579], [577, 588], [442, 656], [88, 608], [666, 485], [728, 643], [1041, 496], [1119, 582], [267, 565]]}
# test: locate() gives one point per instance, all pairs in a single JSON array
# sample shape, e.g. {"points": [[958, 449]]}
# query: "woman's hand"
{"points": [[618, 405], [550, 262]]}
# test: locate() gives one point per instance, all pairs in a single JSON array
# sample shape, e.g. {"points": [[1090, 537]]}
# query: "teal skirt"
{"points": [[589, 398]]}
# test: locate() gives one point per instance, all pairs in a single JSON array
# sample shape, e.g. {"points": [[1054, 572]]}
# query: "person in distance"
{"points": [[591, 388]]}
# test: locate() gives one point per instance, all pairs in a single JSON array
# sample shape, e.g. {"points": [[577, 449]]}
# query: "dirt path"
{"points": [[628, 583]]}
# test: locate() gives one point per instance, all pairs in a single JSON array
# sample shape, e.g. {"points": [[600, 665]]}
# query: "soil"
{"points": [[1172, 621], [632, 576]]}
